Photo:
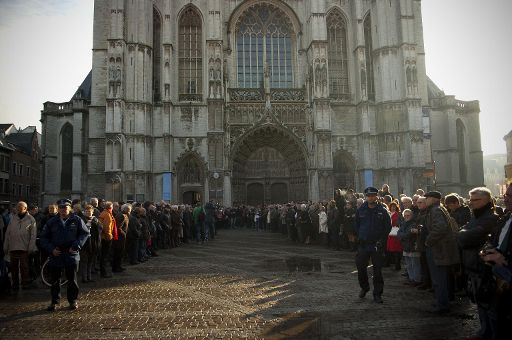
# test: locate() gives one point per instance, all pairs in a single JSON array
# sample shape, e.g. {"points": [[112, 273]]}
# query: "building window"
{"points": [[157, 54], [20, 190], [20, 169], [14, 167], [190, 45], [338, 56], [368, 50], [28, 171], [66, 172], [264, 42], [28, 191], [461, 148]]}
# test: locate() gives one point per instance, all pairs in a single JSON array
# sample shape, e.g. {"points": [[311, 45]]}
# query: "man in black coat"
{"points": [[472, 239], [500, 258]]}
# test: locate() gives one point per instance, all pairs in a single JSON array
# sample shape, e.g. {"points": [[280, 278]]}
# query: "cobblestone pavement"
{"points": [[244, 284]]}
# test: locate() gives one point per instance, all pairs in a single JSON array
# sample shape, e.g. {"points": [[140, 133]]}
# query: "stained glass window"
{"points": [[264, 38], [369, 58], [190, 45], [338, 56]]}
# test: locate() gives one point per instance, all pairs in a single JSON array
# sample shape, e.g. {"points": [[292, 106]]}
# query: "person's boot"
{"points": [[377, 299], [363, 292]]}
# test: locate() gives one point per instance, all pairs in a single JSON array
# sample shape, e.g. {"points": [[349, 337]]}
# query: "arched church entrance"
{"points": [[191, 176], [269, 166], [344, 167]]}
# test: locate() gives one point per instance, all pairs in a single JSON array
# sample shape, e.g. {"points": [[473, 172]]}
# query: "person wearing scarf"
{"points": [[108, 234], [472, 238]]}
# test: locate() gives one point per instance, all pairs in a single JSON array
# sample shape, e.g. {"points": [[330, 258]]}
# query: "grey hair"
{"points": [[406, 210], [125, 207], [481, 191], [406, 198]]}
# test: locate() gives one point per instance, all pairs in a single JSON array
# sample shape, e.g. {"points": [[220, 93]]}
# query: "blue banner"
{"points": [[368, 178], [167, 186]]}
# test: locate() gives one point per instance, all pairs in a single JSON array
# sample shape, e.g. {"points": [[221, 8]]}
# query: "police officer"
{"points": [[373, 225], [62, 237]]}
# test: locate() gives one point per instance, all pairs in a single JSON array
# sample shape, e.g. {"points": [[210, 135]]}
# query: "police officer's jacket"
{"points": [[373, 224], [69, 235]]}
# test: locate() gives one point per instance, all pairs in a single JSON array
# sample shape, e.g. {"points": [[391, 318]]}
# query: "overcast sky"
{"points": [[46, 54]]}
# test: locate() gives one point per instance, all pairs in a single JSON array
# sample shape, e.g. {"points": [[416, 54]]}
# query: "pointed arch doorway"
{"points": [[269, 166], [191, 175]]}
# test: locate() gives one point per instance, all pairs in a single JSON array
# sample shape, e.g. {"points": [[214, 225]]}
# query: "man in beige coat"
{"points": [[20, 241]]}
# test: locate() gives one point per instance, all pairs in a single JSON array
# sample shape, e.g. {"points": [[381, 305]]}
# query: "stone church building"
{"points": [[256, 101]]}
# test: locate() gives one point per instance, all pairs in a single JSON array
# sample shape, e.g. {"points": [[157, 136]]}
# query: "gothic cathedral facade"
{"points": [[257, 101]]}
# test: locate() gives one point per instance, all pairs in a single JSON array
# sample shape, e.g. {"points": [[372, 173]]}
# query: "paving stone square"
{"points": [[244, 284]]}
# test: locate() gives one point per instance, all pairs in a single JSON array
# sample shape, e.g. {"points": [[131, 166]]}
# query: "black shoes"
{"points": [[73, 305], [377, 299], [52, 307], [363, 292]]}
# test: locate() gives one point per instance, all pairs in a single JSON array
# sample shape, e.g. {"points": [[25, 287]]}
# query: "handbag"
{"points": [[394, 231]]}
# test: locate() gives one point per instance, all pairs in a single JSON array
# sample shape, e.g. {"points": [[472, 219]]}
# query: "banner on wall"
{"points": [[368, 178], [167, 186]]}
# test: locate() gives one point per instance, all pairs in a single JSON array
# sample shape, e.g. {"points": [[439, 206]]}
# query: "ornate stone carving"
{"points": [[215, 71], [245, 95]]}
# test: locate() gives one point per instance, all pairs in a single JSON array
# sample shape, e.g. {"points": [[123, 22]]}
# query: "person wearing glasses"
{"points": [[499, 258], [62, 237], [472, 238]]}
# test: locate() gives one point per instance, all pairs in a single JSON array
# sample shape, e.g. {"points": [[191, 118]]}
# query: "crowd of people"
{"points": [[446, 243]]}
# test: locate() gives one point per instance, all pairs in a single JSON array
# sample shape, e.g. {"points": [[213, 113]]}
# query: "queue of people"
{"points": [[446, 243]]}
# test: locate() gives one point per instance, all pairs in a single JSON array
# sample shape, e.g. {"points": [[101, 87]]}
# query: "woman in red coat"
{"points": [[393, 245]]}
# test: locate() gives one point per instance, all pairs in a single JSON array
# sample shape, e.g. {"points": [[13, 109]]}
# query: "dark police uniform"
{"points": [[373, 226], [67, 235]]}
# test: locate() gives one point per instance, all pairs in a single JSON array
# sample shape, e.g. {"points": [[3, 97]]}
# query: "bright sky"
{"points": [[47, 45]]}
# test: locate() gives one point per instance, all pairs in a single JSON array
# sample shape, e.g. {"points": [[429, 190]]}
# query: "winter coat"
{"points": [[393, 242], [134, 228], [21, 234], [122, 222], [107, 221], [72, 234], [408, 240], [462, 215], [350, 221], [441, 239], [322, 218], [93, 243], [372, 225], [474, 235]]}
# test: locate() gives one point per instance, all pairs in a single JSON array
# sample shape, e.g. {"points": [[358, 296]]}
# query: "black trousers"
{"points": [[117, 253], [104, 256], [362, 259], [71, 274]]}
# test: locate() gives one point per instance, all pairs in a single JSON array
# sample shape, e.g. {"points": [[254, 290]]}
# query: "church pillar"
{"points": [[206, 189], [227, 189], [313, 186]]}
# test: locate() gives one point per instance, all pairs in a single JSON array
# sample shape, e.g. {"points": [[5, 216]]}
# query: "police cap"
{"points": [[371, 191], [64, 202]]}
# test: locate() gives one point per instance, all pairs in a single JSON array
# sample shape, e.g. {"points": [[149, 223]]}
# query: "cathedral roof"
{"points": [[84, 90], [433, 90]]}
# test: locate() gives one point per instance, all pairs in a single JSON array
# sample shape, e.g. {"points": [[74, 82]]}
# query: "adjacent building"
{"points": [[20, 164], [508, 166], [257, 101]]}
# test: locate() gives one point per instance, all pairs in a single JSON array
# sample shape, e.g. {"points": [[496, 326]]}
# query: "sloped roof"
{"points": [[84, 90], [21, 140], [433, 90], [5, 127]]}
